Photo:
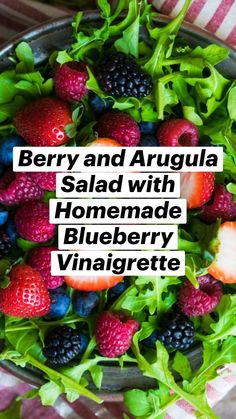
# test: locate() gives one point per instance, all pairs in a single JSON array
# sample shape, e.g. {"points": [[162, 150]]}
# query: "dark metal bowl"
{"points": [[57, 35]]}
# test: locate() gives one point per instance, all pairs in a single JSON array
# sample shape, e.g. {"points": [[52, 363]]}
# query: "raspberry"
{"points": [[222, 206], [120, 126], [177, 133], [70, 81], [62, 345], [45, 180], [32, 222], [114, 333], [200, 301], [17, 188], [120, 76], [177, 331], [40, 260]]}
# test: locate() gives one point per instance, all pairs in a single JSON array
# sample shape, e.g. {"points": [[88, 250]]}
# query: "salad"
{"points": [[124, 81]]}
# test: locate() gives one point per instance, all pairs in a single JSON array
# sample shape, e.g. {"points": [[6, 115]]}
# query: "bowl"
{"points": [[54, 35]]}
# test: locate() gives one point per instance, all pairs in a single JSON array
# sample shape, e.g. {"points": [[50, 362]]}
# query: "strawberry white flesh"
{"points": [[224, 266], [196, 188]]}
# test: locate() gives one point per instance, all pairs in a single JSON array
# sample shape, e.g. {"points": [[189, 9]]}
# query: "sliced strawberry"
{"points": [[92, 283], [104, 142], [197, 188], [224, 266]]}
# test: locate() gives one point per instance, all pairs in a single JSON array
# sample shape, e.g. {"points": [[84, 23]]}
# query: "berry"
{"points": [[120, 126], [45, 180], [100, 105], [32, 222], [117, 290], [93, 283], [223, 267], [177, 133], [70, 81], [11, 231], [6, 148], [43, 121], [17, 188], [40, 259], [148, 128], [120, 76], [202, 300], [5, 243], [83, 342], [62, 344], [26, 294], [222, 206], [103, 142], [150, 341], [197, 188], [60, 303], [85, 302], [3, 216], [177, 331], [114, 333], [148, 140]]}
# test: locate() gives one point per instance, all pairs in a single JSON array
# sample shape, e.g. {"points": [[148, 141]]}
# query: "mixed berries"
{"points": [[32, 290]]}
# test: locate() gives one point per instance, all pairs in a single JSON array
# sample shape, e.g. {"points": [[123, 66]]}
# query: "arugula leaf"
{"points": [[13, 411], [182, 365]]}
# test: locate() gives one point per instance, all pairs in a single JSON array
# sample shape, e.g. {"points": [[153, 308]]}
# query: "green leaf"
{"points": [[97, 375], [25, 56], [49, 393], [232, 103], [182, 365], [105, 8], [129, 43], [13, 411], [137, 402], [26, 245]]}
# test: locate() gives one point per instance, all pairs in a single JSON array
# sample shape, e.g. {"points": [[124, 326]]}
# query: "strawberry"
{"points": [[177, 133], [17, 188], [224, 266], [222, 206], [120, 126], [43, 121], [45, 180], [26, 294], [70, 81], [32, 222], [114, 333], [93, 283], [197, 188]]}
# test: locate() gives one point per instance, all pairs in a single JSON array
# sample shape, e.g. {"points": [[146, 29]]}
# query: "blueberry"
{"points": [[11, 231], [83, 342], [3, 216], [148, 127], [2, 168], [100, 105], [117, 290], [60, 303], [151, 340], [85, 302], [6, 148], [148, 141]]}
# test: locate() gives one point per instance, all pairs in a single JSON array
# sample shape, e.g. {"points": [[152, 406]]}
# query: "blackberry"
{"points": [[177, 332], [120, 76], [62, 344], [5, 244]]}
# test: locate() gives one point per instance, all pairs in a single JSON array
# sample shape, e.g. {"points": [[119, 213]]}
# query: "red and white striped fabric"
{"points": [[216, 16]]}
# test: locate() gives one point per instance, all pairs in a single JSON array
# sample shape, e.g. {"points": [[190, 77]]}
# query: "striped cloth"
{"points": [[216, 16]]}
